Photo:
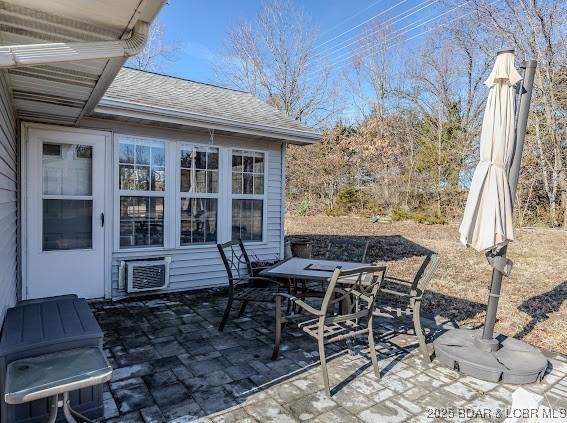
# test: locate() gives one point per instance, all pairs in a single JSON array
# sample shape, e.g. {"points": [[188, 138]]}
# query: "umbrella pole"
{"points": [[493, 297], [499, 257]]}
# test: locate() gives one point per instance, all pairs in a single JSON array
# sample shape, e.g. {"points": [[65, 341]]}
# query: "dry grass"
{"points": [[532, 306]]}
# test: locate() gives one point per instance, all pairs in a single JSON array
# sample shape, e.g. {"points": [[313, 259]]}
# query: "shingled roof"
{"points": [[200, 100]]}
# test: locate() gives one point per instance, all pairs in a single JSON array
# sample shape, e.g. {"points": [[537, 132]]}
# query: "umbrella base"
{"points": [[514, 362]]}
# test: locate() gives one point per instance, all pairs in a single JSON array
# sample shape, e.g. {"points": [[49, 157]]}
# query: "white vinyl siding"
{"points": [[8, 201], [200, 266]]}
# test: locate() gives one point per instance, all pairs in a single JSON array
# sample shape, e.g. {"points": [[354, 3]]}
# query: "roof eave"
{"points": [[135, 110]]}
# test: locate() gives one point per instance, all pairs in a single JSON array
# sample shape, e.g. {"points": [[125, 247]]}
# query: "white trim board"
{"points": [[134, 110]]}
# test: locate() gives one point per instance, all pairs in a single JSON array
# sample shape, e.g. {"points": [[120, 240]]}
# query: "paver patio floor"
{"points": [[171, 364]]}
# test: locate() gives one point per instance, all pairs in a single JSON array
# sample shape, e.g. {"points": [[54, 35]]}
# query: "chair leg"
{"points": [[278, 334], [292, 290], [323, 360], [372, 350], [226, 313], [419, 332], [242, 308]]}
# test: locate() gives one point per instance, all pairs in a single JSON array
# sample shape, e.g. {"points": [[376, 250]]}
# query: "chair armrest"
{"points": [[397, 280], [353, 293], [303, 305], [246, 279], [396, 293]]}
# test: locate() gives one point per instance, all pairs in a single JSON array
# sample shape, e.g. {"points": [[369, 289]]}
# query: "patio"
{"points": [[171, 364]]}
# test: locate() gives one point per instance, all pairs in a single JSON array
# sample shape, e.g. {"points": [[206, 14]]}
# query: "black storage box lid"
{"points": [[32, 325]]}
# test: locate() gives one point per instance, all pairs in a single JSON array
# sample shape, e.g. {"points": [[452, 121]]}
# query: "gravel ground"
{"points": [[532, 306]]}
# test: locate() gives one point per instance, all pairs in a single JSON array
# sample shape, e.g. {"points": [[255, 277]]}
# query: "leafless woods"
{"points": [[404, 140]]}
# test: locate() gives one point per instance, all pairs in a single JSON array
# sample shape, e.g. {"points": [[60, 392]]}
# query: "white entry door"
{"points": [[65, 210]]}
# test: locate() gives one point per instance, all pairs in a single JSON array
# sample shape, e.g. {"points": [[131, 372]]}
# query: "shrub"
{"points": [[418, 217], [303, 208], [347, 199]]}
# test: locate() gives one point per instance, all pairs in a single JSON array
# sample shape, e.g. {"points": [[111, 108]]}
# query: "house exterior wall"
{"points": [[8, 201], [200, 266]]}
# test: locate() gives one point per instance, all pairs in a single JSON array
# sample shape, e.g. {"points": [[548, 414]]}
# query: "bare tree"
{"points": [[156, 51], [274, 59], [442, 84], [417, 142], [373, 62]]}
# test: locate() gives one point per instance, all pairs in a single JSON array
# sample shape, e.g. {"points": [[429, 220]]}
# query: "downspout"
{"points": [[41, 54]]}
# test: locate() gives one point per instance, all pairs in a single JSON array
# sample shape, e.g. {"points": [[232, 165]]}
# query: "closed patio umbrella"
{"points": [[487, 221], [487, 227]]}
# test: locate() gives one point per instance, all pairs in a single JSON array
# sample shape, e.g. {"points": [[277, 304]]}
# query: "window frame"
{"points": [[264, 197], [137, 193], [179, 195], [172, 195]]}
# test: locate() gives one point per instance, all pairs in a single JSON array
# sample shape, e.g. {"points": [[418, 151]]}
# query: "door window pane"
{"points": [[198, 221], [67, 224], [247, 219], [141, 221], [67, 169]]}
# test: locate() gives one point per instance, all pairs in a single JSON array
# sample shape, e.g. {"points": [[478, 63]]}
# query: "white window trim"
{"points": [[118, 193], [263, 197], [180, 195]]}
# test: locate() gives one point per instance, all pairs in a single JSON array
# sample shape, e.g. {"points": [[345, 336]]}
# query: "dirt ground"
{"points": [[532, 305]]}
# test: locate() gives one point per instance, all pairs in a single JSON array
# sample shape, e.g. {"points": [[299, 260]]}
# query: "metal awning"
{"points": [[62, 92]]}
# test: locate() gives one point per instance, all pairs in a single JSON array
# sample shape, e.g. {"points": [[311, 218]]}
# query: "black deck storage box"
{"points": [[39, 327]]}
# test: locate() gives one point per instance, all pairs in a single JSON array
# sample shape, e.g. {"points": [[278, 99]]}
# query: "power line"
{"points": [[401, 32], [348, 55], [360, 24], [391, 21], [311, 75], [396, 18], [328, 31], [432, 19]]}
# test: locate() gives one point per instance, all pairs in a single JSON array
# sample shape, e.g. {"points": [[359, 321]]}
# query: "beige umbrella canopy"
{"points": [[487, 221]]}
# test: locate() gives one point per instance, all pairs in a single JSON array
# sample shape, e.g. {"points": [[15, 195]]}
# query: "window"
{"points": [[141, 185], [247, 195], [247, 172], [67, 197], [199, 188]]}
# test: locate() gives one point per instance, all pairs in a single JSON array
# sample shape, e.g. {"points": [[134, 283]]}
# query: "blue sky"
{"points": [[199, 27]]}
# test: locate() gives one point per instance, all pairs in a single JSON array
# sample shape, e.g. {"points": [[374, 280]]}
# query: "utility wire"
{"points": [[328, 31], [360, 24], [391, 21], [311, 76], [414, 25], [348, 56]]}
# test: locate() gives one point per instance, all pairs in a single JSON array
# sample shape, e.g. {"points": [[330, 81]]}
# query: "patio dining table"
{"points": [[298, 268], [316, 270]]}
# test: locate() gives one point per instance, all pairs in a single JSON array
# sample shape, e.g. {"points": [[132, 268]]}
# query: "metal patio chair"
{"points": [[326, 325], [399, 298], [243, 285]]}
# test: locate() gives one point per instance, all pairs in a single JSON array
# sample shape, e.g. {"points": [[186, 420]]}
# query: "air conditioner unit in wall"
{"points": [[147, 275]]}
